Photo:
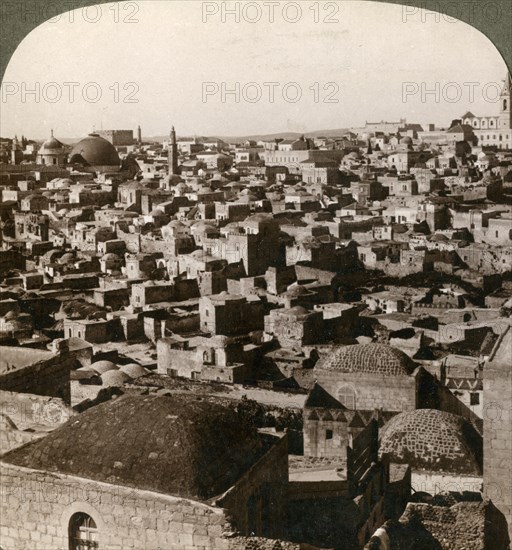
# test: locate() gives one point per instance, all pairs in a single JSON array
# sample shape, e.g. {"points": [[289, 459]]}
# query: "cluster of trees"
{"points": [[266, 416]]}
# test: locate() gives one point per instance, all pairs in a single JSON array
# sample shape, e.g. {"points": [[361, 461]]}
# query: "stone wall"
{"points": [[373, 391], [46, 377], [36, 508], [182, 362], [316, 442], [458, 527], [258, 543], [266, 484], [498, 428]]}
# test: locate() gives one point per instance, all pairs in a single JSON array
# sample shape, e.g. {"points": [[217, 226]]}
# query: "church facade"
{"points": [[496, 130]]}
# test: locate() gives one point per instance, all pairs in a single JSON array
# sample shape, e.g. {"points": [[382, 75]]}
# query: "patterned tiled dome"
{"points": [[368, 358], [433, 440]]}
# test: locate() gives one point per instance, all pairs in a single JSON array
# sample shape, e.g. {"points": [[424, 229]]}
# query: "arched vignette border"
{"points": [[499, 32]]}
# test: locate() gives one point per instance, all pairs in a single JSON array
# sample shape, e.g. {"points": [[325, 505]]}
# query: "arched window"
{"points": [[83, 533], [347, 397]]}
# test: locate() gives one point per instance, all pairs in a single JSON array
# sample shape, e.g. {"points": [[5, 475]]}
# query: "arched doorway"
{"points": [[83, 533]]}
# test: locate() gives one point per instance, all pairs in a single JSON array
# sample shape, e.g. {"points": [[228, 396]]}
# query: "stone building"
{"points": [[52, 152], [318, 252], [95, 331], [328, 425], [295, 327], [146, 472], [229, 314], [254, 242], [370, 376], [218, 358], [141, 266], [498, 427], [339, 500], [118, 137], [151, 292], [31, 225], [366, 377], [494, 130]]}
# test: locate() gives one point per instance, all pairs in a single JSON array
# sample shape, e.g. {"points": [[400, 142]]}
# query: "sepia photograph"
{"points": [[255, 275]]}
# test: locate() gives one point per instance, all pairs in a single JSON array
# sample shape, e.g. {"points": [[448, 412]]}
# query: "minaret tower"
{"points": [[139, 134], [505, 120], [16, 152], [173, 154]]}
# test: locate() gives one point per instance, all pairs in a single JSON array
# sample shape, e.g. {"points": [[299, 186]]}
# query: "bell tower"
{"points": [[173, 154], [505, 119]]}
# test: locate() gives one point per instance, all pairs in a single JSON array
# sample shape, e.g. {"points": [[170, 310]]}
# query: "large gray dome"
{"points": [[94, 151]]}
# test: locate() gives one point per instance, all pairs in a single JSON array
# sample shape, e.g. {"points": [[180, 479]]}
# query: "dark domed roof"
{"points": [[183, 446], [95, 151], [51, 145], [368, 358], [433, 440]]}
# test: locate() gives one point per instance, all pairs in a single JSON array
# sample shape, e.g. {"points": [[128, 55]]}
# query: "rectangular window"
{"points": [[474, 398], [328, 434]]}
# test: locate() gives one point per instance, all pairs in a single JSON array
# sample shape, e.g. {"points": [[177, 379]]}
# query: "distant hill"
{"points": [[260, 137]]}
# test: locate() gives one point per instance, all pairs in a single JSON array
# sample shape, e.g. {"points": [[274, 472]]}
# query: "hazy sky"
{"points": [[163, 55]]}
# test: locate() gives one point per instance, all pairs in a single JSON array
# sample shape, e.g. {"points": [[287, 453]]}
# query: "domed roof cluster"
{"points": [[109, 374], [94, 151], [433, 440], [190, 447], [368, 359]]}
